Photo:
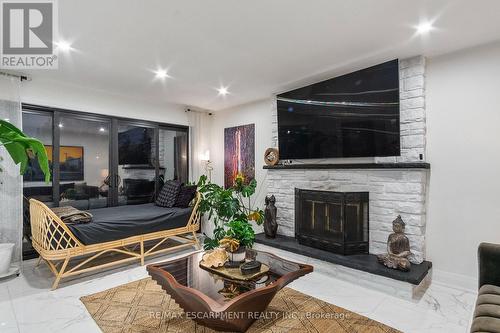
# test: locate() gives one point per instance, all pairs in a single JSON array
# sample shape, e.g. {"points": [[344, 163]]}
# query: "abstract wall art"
{"points": [[239, 153]]}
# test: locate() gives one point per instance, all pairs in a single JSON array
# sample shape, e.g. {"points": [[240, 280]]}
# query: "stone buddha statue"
{"points": [[398, 248]]}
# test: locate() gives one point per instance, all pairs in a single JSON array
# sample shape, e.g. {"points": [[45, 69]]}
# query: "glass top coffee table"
{"points": [[218, 302]]}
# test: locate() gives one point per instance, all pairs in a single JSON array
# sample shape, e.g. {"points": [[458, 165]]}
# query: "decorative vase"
{"points": [[238, 255], [6, 250]]}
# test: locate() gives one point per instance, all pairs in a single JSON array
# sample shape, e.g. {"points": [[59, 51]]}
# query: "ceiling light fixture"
{"points": [[424, 28], [63, 46], [101, 129], [161, 74], [223, 91], [61, 125]]}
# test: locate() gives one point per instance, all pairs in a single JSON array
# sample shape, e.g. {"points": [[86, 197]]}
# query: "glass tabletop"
{"points": [[188, 272]]}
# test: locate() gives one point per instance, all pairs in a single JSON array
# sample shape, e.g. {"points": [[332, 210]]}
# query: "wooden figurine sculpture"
{"points": [[270, 224], [398, 248]]}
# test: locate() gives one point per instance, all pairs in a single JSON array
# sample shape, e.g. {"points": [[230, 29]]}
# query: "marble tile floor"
{"points": [[27, 305]]}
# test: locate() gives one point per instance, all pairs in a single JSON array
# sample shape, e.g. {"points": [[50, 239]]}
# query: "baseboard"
{"points": [[454, 280]]}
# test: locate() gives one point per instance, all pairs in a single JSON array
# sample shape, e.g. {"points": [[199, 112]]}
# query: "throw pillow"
{"points": [[186, 194], [168, 194]]}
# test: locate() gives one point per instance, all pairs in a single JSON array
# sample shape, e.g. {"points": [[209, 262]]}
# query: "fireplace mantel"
{"points": [[305, 166]]}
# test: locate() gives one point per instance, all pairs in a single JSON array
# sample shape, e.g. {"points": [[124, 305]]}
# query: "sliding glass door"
{"points": [[98, 161], [136, 164], [83, 161]]}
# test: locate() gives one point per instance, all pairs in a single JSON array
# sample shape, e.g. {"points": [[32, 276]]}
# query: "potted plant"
{"points": [[20, 148], [232, 213]]}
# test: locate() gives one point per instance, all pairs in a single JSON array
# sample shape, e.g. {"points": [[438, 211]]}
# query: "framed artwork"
{"points": [[239, 153], [70, 164]]}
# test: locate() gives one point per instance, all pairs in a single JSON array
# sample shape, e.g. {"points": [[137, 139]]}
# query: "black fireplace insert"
{"points": [[332, 221]]}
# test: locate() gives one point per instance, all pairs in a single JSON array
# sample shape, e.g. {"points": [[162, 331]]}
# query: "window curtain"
{"points": [[11, 217], [200, 128]]}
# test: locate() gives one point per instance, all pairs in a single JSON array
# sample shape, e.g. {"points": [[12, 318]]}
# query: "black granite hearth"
{"points": [[363, 262]]}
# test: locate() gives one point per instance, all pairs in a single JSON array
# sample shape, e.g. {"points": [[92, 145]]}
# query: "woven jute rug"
{"points": [[143, 307]]}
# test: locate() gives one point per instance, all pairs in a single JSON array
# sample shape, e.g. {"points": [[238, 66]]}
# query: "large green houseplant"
{"points": [[21, 147], [230, 210]]}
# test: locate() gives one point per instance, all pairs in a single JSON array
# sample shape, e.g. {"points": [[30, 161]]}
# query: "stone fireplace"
{"points": [[397, 185], [394, 189], [332, 221]]}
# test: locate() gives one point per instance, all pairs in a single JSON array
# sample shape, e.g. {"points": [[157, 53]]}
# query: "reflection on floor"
{"points": [[27, 305]]}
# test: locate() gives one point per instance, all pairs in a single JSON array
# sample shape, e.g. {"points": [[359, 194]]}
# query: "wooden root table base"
{"points": [[220, 303]]}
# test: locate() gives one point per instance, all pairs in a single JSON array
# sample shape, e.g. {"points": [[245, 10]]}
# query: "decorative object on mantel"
{"points": [[214, 258], [271, 156], [270, 223], [398, 248]]}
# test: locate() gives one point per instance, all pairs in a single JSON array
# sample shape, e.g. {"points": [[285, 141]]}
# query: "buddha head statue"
{"points": [[398, 225]]}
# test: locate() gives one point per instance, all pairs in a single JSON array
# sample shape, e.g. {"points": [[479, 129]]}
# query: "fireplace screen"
{"points": [[332, 221]]}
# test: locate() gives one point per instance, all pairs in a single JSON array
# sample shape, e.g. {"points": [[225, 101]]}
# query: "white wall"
{"points": [[55, 94], [463, 147], [257, 113]]}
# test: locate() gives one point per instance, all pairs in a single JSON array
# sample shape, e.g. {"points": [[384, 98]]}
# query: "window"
{"points": [[98, 161]]}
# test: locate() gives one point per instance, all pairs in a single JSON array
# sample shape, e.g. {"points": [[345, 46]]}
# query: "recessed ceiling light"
{"points": [[101, 129], [61, 125], [424, 28], [161, 74], [223, 91], [63, 46]]}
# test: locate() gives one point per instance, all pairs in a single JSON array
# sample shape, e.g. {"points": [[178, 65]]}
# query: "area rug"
{"points": [[143, 307]]}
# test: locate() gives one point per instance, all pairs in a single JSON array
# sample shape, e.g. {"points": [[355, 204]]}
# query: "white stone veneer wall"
{"points": [[392, 192]]}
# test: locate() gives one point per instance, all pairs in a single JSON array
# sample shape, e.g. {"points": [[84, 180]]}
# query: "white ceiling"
{"points": [[256, 47]]}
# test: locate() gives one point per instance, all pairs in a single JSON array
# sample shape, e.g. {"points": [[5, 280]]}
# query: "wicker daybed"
{"points": [[67, 255]]}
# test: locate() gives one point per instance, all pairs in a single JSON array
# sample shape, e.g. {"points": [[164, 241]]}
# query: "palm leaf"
{"points": [[19, 145]]}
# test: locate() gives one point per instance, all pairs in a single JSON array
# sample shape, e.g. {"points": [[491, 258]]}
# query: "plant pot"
{"points": [[6, 250], [238, 255]]}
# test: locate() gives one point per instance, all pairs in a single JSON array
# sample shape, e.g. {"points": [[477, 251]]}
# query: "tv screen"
{"points": [[354, 115], [134, 146]]}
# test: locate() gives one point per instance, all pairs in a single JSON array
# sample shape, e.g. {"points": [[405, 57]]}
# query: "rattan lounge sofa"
{"points": [[66, 255]]}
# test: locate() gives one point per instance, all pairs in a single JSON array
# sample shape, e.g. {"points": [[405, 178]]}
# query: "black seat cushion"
{"points": [[115, 223], [168, 194], [185, 196]]}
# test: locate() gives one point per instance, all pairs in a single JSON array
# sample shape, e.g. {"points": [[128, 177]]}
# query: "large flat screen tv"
{"points": [[354, 115]]}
